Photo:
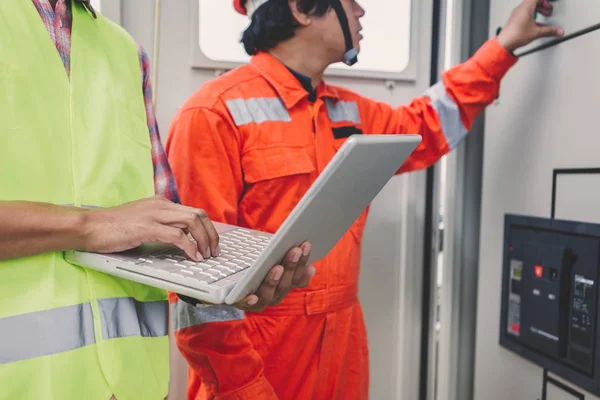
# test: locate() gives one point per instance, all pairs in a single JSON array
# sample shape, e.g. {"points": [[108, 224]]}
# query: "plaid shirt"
{"points": [[58, 23]]}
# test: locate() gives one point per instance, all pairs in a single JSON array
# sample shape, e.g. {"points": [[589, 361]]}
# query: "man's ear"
{"points": [[301, 18]]}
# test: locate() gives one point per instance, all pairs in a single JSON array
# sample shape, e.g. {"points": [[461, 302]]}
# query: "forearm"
{"points": [[475, 84], [446, 113], [28, 228]]}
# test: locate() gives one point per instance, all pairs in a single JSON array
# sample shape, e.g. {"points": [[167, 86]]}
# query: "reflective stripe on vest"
{"points": [[128, 317], [449, 114], [258, 110], [63, 329], [342, 111], [46, 332], [184, 315]]}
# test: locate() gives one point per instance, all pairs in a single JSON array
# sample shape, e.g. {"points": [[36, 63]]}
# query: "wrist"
{"points": [[83, 226], [508, 44]]}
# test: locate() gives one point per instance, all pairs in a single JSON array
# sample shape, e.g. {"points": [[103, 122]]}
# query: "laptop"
{"points": [[349, 183]]}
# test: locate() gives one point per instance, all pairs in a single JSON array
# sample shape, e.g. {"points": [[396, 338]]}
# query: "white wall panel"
{"points": [[547, 118]]}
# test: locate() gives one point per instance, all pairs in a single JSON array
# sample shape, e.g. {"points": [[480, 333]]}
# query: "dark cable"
{"points": [[554, 42]]}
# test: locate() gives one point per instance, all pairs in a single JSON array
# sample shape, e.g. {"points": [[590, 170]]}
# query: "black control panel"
{"points": [[550, 308]]}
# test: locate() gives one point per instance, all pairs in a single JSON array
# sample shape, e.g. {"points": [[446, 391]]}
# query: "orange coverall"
{"points": [[245, 148]]}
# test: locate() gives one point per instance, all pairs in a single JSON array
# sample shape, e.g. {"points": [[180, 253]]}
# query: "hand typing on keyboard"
{"points": [[155, 219], [238, 250]]}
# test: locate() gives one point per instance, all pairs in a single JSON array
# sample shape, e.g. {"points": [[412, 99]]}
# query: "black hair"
{"points": [[274, 23]]}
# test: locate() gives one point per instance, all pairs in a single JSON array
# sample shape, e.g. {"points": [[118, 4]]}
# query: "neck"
{"points": [[301, 60]]}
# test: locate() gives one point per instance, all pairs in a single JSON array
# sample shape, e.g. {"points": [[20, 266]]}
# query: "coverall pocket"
{"points": [[268, 163], [276, 178]]}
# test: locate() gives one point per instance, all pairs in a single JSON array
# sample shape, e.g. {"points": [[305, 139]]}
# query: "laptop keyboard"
{"points": [[239, 249]]}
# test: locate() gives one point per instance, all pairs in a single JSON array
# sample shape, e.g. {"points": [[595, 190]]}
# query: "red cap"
{"points": [[248, 7], [239, 6]]}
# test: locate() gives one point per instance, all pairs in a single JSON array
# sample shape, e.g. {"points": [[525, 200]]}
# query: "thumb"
{"points": [[548, 31]]}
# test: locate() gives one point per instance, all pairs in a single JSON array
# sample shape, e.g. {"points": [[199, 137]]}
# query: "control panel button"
{"points": [[538, 271]]}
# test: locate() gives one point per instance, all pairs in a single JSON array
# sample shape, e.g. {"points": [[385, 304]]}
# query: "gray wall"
{"points": [[393, 246], [547, 118]]}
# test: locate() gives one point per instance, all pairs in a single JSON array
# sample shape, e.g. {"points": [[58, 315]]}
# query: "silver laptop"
{"points": [[355, 175]]}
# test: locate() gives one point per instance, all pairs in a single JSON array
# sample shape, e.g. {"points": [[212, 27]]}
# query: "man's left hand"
{"points": [[293, 273], [522, 29]]}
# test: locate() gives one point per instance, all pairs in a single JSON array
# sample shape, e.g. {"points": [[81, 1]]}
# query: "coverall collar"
{"points": [[287, 86], [306, 83]]}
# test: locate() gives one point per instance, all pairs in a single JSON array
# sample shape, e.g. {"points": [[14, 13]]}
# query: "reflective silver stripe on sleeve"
{"points": [[184, 315], [47, 332], [258, 110], [342, 111], [449, 114], [123, 317]]}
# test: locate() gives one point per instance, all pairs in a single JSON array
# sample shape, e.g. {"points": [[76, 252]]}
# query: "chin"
{"points": [[357, 44]]}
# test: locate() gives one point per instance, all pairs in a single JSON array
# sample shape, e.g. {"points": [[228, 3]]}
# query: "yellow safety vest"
{"points": [[68, 332]]}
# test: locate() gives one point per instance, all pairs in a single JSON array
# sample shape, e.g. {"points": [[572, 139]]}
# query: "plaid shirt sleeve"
{"points": [[164, 181]]}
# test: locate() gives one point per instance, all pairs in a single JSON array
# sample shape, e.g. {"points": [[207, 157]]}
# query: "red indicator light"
{"points": [[538, 270]]}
